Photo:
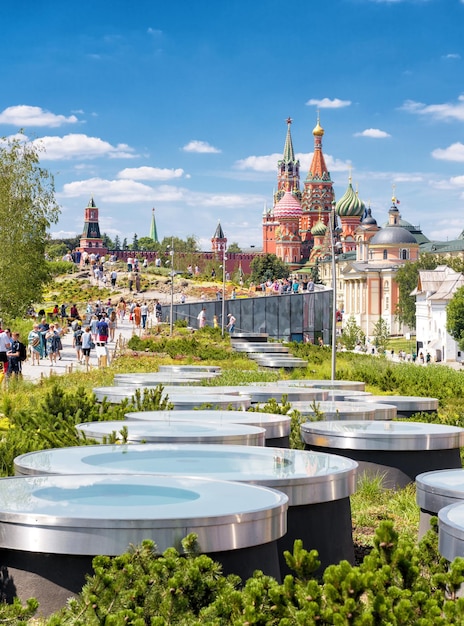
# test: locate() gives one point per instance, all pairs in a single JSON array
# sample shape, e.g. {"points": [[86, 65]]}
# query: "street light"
{"points": [[334, 294], [171, 310], [223, 306]]}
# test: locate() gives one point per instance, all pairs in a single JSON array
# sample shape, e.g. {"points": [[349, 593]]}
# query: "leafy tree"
{"points": [[117, 243], [147, 243], [27, 208], [315, 273], [56, 250], [267, 266], [352, 334], [406, 278], [455, 317], [189, 245], [135, 242], [381, 335], [234, 247], [107, 242]]}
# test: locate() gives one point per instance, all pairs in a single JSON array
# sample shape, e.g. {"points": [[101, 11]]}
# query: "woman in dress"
{"points": [[52, 339], [35, 342], [137, 313], [121, 309], [112, 324]]}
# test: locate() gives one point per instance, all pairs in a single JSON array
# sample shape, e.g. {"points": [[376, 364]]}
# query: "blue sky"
{"points": [[182, 105]]}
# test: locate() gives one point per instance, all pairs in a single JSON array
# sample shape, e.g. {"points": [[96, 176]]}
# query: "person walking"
{"points": [[144, 314], [86, 345], [52, 341], [112, 324], [137, 313], [202, 318], [5, 341], [13, 354], [158, 311], [102, 330], [77, 342], [121, 309], [114, 278], [35, 344], [231, 323]]}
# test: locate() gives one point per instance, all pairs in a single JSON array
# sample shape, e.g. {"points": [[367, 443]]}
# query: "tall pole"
{"points": [[223, 311], [334, 295], [171, 313]]}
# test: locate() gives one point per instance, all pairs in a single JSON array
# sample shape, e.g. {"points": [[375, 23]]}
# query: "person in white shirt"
{"points": [[144, 314], [5, 341]]}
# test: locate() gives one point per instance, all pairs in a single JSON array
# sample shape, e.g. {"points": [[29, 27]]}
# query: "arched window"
{"points": [[404, 254], [385, 254]]}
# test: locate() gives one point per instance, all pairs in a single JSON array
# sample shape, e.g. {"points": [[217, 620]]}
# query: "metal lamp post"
{"points": [[171, 310], [334, 295], [223, 308]]}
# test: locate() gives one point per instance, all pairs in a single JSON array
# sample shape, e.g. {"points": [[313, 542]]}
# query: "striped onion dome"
{"points": [[350, 204], [288, 206], [319, 229]]}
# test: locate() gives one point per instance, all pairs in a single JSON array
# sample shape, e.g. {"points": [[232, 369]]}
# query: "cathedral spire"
{"points": [[288, 169], [289, 154], [153, 230], [318, 193]]}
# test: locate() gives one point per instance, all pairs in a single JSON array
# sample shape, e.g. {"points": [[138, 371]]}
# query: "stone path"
{"points": [[69, 361]]}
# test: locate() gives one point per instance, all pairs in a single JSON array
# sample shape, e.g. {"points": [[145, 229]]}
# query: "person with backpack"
{"points": [[77, 342], [14, 356]]}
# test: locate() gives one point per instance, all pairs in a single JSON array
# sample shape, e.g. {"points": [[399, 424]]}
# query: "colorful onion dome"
{"points": [[288, 206], [319, 229], [350, 205]]}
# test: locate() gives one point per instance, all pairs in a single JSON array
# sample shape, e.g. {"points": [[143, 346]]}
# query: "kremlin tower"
{"points": [[218, 241], [91, 240]]}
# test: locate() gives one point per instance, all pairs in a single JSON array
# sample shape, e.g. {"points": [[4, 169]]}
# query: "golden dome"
{"points": [[318, 131]]}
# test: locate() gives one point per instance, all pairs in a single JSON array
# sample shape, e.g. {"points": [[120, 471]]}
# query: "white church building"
{"points": [[434, 290]]}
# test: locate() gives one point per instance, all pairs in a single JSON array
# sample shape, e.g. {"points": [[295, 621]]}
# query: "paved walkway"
{"points": [[69, 361]]}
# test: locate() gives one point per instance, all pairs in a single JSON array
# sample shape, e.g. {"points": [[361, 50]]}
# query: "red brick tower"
{"points": [[318, 193], [91, 240]]}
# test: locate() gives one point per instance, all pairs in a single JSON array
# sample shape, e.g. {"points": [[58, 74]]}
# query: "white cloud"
{"points": [[374, 133], [455, 152], [24, 115], [457, 180], [80, 146], [268, 163], [150, 173], [117, 191], [224, 201], [437, 111], [327, 103], [451, 55], [62, 234], [154, 31], [202, 147]]}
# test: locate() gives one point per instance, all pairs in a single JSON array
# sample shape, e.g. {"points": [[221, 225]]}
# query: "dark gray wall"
{"points": [[299, 317]]}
